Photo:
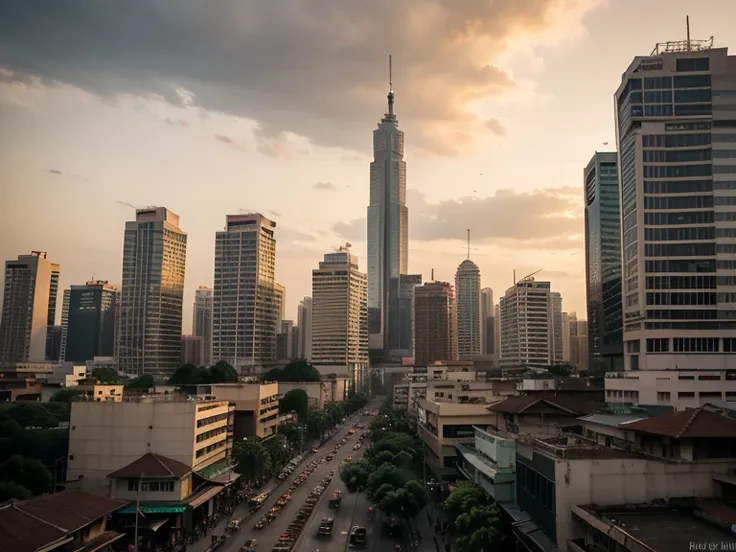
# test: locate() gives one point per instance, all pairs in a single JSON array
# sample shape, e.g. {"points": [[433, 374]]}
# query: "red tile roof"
{"points": [[28, 525], [690, 423], [517, 404], [152, 465]]}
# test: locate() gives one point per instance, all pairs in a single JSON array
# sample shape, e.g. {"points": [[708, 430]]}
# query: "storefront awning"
{"points": [[205, 495], [154, 509]]}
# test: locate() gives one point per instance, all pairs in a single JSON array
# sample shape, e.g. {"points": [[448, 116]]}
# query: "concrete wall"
{"points": [[105, 436], [619, 481]]}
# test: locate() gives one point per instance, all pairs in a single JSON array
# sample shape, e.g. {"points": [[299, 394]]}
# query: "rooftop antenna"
{"points": [[514, 277], [687, 24], [432, 276], [390, 85], [468, 243]]}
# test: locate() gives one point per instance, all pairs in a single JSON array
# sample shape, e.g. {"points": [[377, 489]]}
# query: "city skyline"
{"points": [[58, 166]]}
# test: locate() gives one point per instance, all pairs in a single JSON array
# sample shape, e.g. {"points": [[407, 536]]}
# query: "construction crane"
{"points": [[126, 204], [527, 278]]}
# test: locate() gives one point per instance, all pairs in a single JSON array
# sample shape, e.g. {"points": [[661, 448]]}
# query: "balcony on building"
{"points": [[491, 463]]}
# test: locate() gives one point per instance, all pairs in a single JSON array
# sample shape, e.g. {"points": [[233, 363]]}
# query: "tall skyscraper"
{"points": [[202, 320], [531, 325], [603, 262], [435, 320], [388, 235], [467, 288], [280, 299], [340, 315], [486, 321], [65, 324], [285, 348], [244, 318], [152, 296], [29, 308], [304, 323], [91, 321], [677, 158]]}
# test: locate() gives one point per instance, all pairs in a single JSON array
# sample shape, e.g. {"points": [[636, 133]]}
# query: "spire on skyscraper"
{"points": [[390, 86]]}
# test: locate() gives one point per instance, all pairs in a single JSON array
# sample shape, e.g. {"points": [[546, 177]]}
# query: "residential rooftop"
{"points": [[152, 465], [519, 404], [666, 528], [697, 423], [572, 447]]}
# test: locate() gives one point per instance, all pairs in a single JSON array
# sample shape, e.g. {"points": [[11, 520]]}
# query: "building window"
{"points": [[152, 486], [663, 397], [659, 345], [686, 395]]}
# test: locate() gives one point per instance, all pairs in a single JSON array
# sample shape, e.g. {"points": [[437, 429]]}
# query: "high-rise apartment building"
{"points": [[340, 315], [674, 139], [91, 321], [435, 320], [280, 306], [202, 320], [29, 308], [486, 321], [677, 163], [244, 317], [65, 323], [152, 295], [304, 323], [531, 325], [388, 245], [575, 341], [192, 350], [603, 262], [285, 347], [469, 321]]}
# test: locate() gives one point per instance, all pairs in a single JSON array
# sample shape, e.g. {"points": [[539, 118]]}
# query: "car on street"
{"points": [[325, 526], [348, 459], [358, 536]]}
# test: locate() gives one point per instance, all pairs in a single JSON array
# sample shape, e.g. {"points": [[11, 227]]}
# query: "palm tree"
{"points": [[252, 460]]}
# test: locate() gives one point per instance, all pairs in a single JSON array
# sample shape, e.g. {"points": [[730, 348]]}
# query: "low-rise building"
{"points": [[332, 388], [591, 389], [566, 484], [172, 497], [69, 520], [19, 388], [490, 462], [100, 392], [538, 415], [678, 389], [443, 425], [256, 406], [105, 436]]}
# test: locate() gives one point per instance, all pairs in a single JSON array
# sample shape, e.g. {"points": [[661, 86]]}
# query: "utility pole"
{"points": [[137, 511]]}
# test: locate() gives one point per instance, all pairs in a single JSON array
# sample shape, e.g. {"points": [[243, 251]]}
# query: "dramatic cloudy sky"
{"points": [[223, 106]]}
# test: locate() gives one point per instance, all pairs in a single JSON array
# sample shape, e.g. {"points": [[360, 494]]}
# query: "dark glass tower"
{"points": [[91, 322], [603, 262]]}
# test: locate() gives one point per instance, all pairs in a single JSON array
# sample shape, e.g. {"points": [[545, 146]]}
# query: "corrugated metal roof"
{"points": [[613, 420]]}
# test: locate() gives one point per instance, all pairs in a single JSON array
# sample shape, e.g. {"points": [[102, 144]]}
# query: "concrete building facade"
{"points": [[339, 313], [202, 320], [29, 307], [304, 323], [244, 304], [531, 325], [105, 436], [469, 320], [435, 320], [486, 320], [677, 161], [152, 294]]}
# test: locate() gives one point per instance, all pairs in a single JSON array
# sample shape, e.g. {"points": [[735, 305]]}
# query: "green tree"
{"points": [[317, 423], [27, 472], [141, 383], [32, 415], [296, 370], [252, 459], [561, 369], [65, 396], [463, 498], [479, 529], [294, 434], [62, 410], [9, 490], [222, 372], [355, 475], [295, 400], [276, 448], [406, 501], [189, 374], [107, 376], [386, 474]]}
